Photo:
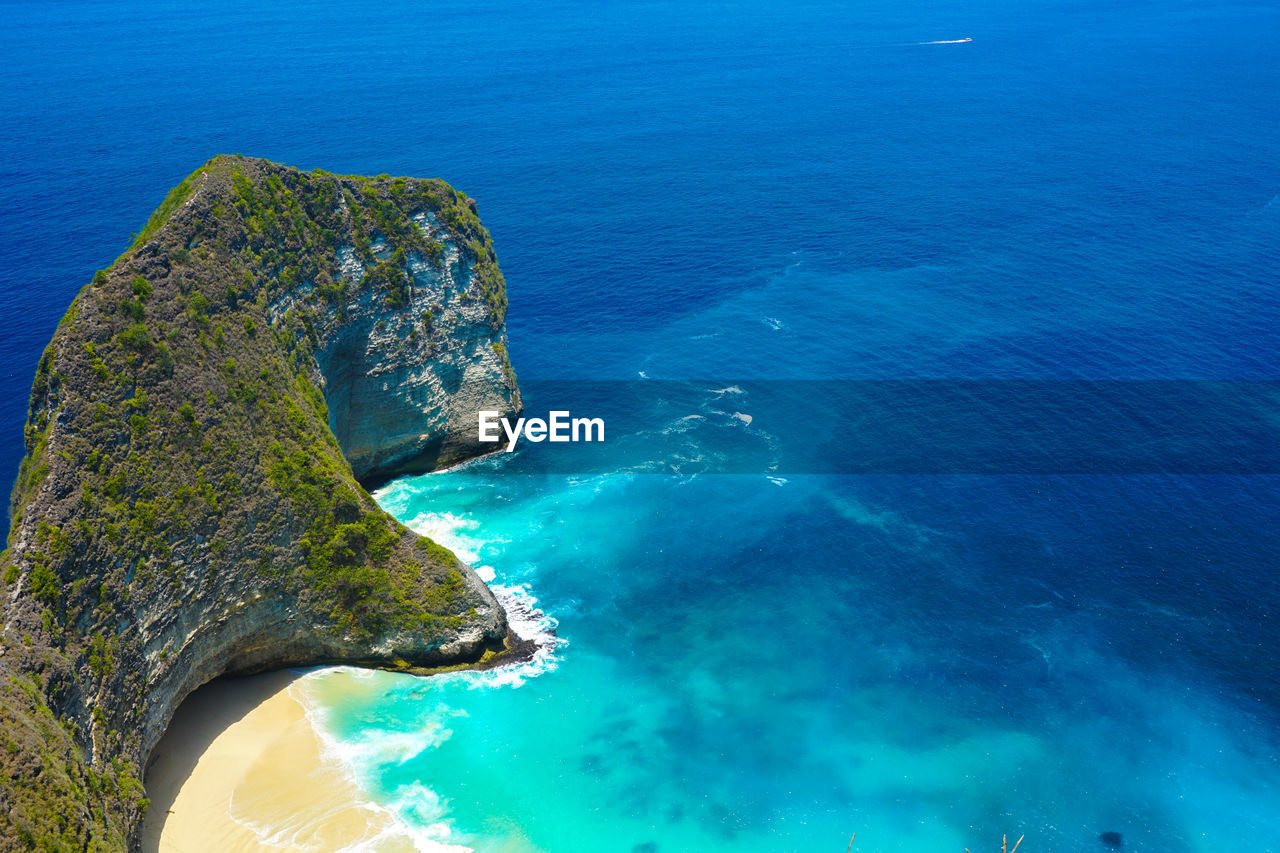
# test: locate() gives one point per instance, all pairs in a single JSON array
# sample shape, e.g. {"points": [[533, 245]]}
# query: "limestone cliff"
{"points": [[394, 414], [190, 504]]}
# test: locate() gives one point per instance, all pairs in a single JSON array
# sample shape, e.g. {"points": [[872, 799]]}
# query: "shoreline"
{"points": [[245, 766], [241, 768]]}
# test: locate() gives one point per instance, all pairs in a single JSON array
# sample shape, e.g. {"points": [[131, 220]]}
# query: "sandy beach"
{"points": [[241, 769]]}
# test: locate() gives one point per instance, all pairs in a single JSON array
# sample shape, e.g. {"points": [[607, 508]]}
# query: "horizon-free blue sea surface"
{"points": [[769, 190]]}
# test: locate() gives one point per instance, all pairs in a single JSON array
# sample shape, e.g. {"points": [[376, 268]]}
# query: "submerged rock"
{"points": [[191, 504], [1111, 839]]}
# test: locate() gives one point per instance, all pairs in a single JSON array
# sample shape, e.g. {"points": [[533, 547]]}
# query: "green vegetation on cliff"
{"points": [[184, 507]]}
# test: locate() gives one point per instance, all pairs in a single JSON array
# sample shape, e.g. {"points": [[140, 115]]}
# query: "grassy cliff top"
{"points": [[184, 509]]}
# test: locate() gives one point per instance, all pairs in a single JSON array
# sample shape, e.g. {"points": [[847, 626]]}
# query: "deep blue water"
{"points": [[772, 190]]}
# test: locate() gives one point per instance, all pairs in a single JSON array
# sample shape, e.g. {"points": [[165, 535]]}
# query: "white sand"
{"points": [[240, 769]]}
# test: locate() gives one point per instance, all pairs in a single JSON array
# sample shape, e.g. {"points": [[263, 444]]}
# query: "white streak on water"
{"points": [[415, 814]]}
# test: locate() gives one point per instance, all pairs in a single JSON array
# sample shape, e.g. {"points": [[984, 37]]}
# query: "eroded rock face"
{"points": [[404, 385], [190, 502]]}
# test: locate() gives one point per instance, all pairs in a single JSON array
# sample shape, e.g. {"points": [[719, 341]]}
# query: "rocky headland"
{"points": [[190, 504]]}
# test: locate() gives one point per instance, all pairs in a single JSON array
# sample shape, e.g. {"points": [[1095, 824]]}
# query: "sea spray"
{"points": [[345, 706]]}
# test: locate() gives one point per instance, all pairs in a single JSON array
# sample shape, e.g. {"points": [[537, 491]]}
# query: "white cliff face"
{"points": [[404, 383]]}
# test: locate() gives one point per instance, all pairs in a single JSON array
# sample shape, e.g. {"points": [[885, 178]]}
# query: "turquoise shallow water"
{"points": [[727, 680]]}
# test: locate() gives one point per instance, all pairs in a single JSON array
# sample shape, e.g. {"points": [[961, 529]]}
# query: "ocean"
{"points": [[781, 191]]}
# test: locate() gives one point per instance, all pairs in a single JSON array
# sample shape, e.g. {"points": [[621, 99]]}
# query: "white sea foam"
{"points": [[683, 424], [372, 746], [387, 824], [422, 814], [529, 622], [392, 830], [384, 747], [426, 840], [526, 619], [451, 531], [414, 813]]}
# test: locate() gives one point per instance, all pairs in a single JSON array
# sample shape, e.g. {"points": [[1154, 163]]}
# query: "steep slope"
{"points": [[190, 503]]}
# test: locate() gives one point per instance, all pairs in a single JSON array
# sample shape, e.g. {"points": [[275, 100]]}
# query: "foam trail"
{"points": [[529, 622], [451, 531], [523, 614], [945, 41], [416, 817]]}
